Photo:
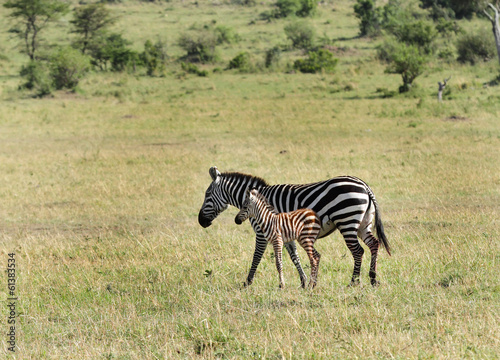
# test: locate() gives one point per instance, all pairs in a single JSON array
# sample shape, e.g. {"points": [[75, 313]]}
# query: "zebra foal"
{"points": [[302, 225]]}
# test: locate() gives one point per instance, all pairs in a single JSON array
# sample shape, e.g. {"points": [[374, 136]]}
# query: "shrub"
{"points": [[242, 62], [302, 8], [307, 8], [200, 47], [369, 20], [37, 77], [225, 35], [317, 61], [408, 61], [112, 50], [154, 57], [272, 57], [452, 8], [286, 8], [62, 69], [419, 33], [474, 47], [67, 67], [301, 34], [193, 69], [244, 2]]}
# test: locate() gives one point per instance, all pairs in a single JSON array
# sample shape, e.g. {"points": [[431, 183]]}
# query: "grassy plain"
{"points": [[100, 192]]}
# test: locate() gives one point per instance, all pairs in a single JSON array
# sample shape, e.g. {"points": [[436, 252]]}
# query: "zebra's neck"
{"points": [[235, 185], [264, 215]]}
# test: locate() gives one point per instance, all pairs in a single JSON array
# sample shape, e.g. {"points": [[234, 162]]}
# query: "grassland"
{"points": [[100, 191]]}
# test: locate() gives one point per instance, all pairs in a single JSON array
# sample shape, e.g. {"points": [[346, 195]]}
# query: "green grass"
{"points": [[100, 192]]}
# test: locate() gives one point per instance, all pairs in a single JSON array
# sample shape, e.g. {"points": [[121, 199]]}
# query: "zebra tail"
{"points": [[380, 230]]}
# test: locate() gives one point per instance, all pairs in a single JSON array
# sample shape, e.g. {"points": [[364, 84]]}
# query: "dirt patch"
{"points": [[456, 118]]}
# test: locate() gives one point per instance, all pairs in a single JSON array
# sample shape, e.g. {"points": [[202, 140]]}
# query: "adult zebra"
{"points": [[345, 203]]}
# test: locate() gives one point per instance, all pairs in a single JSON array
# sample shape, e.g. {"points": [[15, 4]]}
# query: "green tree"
{"points": [[420, 33], [67, 67], [301, 34], [34, 16], [307, 8], [287, 8], [112, 49], [369, 18], [200, 46], [154, 57], [301, 8], [90, 22], [408, 61]]}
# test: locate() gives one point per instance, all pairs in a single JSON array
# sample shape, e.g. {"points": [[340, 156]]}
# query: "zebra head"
{"points": [[215, 200], [247, 209]]}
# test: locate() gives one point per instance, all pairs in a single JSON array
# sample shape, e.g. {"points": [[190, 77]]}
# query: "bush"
{"points": [[244, 2], [301, 34], [408, 61], [474, 47], [200, 47], [272, 57], [419, 33], [317, 61], [225, 35], [453, 8], [112, 50], [241, 62], [367, 14], [37, 77], [154, 57], [62, 69], [287, 8], [307, 8], [193, 69], [302, 8], [67, 67]]}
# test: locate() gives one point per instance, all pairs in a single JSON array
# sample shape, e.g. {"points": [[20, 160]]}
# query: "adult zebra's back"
{"points": [[345, 203]]}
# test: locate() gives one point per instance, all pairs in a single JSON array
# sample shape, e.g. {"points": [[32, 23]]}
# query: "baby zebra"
{"points": [[302, 225]]}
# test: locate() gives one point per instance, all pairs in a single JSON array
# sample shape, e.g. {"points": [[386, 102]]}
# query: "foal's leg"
{"points": [[307, 243], [278, 250], [292, 250]]}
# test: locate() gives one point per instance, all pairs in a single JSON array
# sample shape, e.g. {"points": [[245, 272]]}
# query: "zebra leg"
{"points": [[278, 251], [314, 258], [260, 248], [357, 253], [365, 233], [373, 244], [308, 244], [292, 251]]}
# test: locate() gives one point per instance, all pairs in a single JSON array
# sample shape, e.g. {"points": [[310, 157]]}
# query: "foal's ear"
{"points": [[254, 191], [214, 172]]}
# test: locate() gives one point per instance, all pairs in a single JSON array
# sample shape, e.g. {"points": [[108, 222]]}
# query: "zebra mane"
{"points": [[255, 181]]}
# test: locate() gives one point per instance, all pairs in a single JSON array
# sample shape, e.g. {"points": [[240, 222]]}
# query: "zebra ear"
{"points": [[254, 191], [214, 172]]}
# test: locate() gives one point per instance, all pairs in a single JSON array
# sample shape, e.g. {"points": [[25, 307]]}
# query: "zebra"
{"points": [[302, 225], [345, 203]]}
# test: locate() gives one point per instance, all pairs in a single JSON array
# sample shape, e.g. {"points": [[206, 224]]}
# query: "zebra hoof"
{"points": [[375, 283], [354, 282]]}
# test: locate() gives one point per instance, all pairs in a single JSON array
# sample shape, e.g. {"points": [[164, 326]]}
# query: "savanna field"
{"points": [[100, 190]]}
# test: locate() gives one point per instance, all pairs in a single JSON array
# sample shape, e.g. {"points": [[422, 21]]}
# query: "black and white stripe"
{"points": [[345, 203], [302, 225]]}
